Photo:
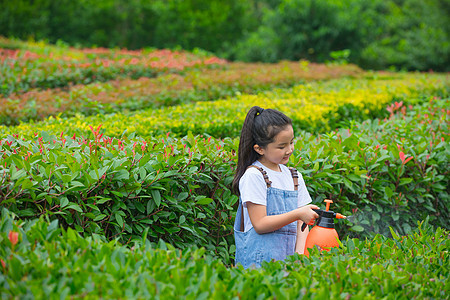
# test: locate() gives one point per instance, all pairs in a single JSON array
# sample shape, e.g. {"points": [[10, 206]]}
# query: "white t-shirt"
{"points": [[253, 187]]}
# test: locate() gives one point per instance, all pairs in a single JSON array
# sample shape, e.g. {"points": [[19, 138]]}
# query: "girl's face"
{"points": [[279, 151]]}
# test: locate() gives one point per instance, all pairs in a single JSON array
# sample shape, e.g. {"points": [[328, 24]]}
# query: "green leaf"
{"points": [[348, 184], [139, 206], [357, 228], [119, 219], [16, 175], [64, 201], [354, 177], [49, 199], [394, 234], [72, 234], [122, 174], [142, 173], [182, 219], [150, 206], [316, 167], [118, 194], [203, 200], [388, 192], [99, 217], [26, 184], [45, 136], [404, 181], [156, 197], [74, 206], [182, 196], [103, 200]]}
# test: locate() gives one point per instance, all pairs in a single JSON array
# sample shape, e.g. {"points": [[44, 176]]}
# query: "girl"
{"points": [[272, 196]]}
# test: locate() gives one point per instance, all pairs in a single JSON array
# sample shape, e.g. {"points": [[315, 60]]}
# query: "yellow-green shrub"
{"points": [[317, 106]]}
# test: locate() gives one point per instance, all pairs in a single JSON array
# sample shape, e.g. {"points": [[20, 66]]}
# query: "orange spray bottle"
{"points": [[323, 235]]}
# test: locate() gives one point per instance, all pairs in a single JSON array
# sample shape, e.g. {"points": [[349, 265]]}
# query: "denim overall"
{"points": [[253, 248]]}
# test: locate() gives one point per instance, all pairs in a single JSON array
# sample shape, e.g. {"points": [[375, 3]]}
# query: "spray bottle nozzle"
{"points": [[339, 216]]}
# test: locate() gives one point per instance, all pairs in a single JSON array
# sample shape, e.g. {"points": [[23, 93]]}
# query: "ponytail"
{"points": [[260, 128]]}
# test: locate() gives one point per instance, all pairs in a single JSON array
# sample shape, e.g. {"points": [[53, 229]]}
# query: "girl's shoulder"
{"points": [[252, 178], [293, 172], [290, 170], [254, 171], [258, 167]]}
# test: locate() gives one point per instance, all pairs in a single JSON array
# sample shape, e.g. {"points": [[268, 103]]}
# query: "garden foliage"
{"points": [[210, 82], [406, 34], [42, 260], [137, 203], [378, 34], [391, 172], [315, 107], [42, 66]]}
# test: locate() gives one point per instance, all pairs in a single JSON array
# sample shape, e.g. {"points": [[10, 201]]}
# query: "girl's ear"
{"points": [[258, 149]]}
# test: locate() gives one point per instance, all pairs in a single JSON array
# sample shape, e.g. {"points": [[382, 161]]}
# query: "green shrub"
{"points": [[313, 106], [197, 84], [406, 34], [179, 188], [137, 24], [47, 261], [383, 172], [299, 29], [411, 35]]}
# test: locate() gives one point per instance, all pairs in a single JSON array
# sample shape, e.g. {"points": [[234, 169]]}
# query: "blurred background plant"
{"points": [[396, 34]]}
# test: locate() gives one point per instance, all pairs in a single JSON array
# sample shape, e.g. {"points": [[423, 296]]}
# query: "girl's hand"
{"points": [[307, 215]]}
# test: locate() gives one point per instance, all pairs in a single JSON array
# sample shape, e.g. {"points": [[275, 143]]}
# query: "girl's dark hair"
{"points": [[260, 128]]}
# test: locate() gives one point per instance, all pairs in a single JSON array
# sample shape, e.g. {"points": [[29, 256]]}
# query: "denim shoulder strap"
{"points": [[268, 183], [294, 177], [264, 174]]}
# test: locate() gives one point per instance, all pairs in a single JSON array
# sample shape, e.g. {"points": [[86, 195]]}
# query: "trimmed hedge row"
{"points": [[382, 172], [179, 188], [50, 67], [315, 107], [41, 260], [165, 90]]}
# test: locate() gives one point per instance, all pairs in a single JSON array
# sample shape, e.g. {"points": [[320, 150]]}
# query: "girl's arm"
{"points": [[262, 223], [301, 238]]}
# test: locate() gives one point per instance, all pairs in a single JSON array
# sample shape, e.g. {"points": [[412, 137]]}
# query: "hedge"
{"points": [[44, 66], [39, 259], [315, 107], [118, 187], [382, 172], [388, 172], [126, 94]]}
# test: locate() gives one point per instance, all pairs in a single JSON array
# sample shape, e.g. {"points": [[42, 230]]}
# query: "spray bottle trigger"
{"points": [[318, 211], [304, 226]]}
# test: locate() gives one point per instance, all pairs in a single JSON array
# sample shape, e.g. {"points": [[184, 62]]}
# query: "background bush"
{"points": [[404, 34], [407, 34], [131, 24], [299, 29]]}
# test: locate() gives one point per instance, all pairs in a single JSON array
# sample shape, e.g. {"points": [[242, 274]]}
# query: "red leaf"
{"points": [[13, 237], [408, 159], [402, 156]]}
